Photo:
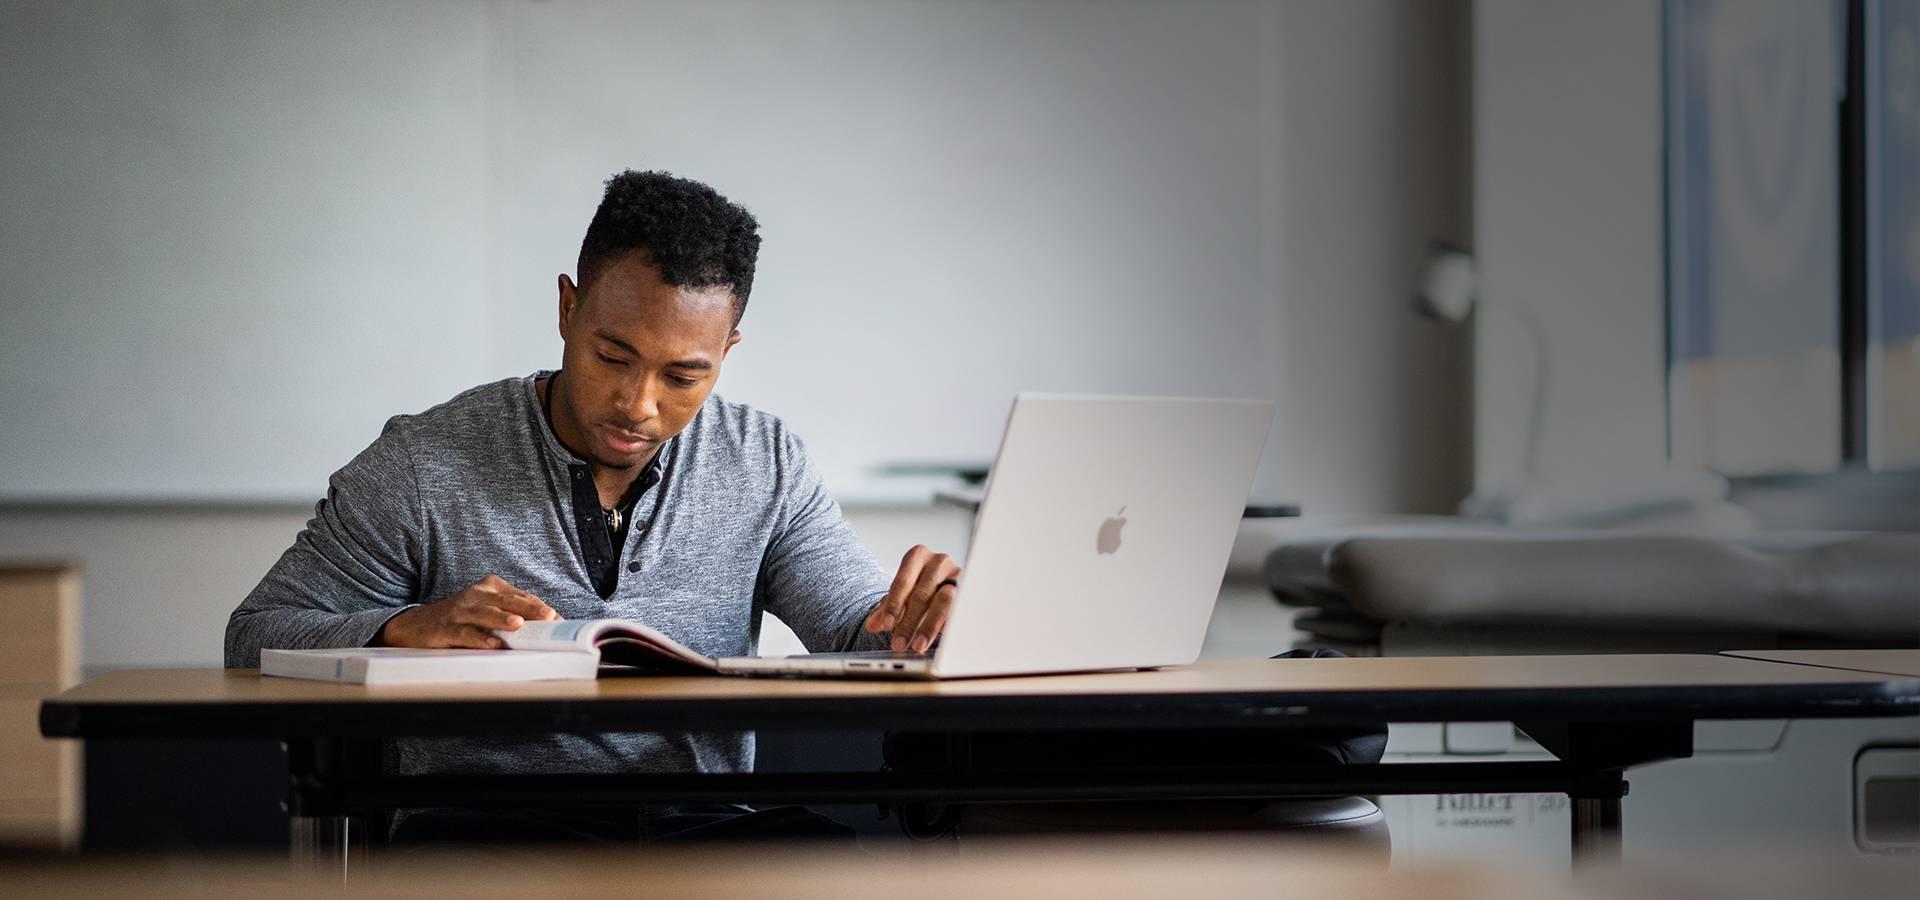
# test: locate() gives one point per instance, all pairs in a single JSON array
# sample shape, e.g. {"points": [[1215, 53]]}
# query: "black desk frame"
{"points": [[1597, 734], [327, 782]]}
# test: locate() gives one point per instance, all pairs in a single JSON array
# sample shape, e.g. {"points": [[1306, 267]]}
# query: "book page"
{"points": [[556, 634], [631, 644], [619, 641]]}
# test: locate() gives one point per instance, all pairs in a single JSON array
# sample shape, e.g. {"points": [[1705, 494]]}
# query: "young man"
{"points": [[618, 485]]}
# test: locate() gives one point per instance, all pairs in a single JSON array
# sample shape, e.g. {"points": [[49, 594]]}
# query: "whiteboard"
{"points": [[244, 235], [236, 238]]}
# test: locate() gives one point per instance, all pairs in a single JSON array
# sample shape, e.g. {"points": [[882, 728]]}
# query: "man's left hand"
{"points": [[915, 608]]}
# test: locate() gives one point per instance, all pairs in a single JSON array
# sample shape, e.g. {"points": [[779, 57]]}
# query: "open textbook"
{"points": [[539, 651], [617, 642]]}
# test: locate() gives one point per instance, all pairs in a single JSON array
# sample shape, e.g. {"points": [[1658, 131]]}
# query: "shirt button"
{"points": [[633, 567], [577, 475]]}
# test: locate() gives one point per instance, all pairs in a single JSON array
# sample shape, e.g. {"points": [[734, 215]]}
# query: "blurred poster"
{"points": [[1893, 233], [1753, 231]]}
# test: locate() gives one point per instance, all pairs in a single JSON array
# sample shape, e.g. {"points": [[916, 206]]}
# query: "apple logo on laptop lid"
{"points": [[1109, 539]]}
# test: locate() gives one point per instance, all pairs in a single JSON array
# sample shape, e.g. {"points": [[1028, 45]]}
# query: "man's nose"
{"points": [[640, 401]]}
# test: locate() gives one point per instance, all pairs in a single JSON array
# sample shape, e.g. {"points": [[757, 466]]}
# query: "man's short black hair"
{"points": [[691, 234]]}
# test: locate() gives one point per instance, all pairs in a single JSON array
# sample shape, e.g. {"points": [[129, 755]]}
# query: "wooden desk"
{"points": [[1885, 662], [1600, 715]]}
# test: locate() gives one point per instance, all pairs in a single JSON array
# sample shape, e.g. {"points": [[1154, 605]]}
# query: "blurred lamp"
{"points": [[1608, 495], [1449, 290], [1448, 284]]}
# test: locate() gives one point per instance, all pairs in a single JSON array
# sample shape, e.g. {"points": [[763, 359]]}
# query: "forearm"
{"points": [[353, 567], [844, 631], [323, 592], [251, 629], [825, 591]]}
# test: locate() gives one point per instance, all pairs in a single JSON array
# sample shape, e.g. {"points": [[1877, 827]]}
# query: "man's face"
{"points": [[641, 357]]}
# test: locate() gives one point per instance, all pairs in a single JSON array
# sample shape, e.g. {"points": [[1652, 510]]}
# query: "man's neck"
{"points": [[613, 484], [610, 483]]}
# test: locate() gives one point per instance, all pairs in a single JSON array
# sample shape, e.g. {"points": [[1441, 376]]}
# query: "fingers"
{"points": [[514, 600], [920, 603], [479, 615], [933, 622], [887, 614], [525, 605], [467, 619], [915, 607], [469, 637]]}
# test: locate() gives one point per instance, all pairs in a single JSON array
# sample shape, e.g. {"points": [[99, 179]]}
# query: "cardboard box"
{"points": [[39, 657], [40, 625]]}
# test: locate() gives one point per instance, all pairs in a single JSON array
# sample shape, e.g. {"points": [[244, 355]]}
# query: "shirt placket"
{"points": [[595, 545]]}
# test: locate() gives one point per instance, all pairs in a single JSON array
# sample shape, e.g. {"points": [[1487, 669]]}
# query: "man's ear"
{"points": [[732, 339], [569, 302]]}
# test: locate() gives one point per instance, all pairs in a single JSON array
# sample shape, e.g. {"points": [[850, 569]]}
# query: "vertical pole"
{"points": [[319, 843], [1600, 753], [317, 825], [1596, 819]]}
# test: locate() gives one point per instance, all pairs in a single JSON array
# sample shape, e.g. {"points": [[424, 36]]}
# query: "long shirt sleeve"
{"points": [[354, 566], [817, 575]]}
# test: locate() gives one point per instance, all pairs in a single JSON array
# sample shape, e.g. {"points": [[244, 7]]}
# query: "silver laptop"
{"points": [[1100, 543]]}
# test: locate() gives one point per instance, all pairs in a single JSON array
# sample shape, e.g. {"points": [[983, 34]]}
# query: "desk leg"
{"points": [[1605, 751], [320, 842], [319, 833], [1596, 830]]}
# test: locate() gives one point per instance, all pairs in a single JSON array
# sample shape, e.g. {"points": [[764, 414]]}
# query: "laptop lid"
{"points": [[1104, 533]]}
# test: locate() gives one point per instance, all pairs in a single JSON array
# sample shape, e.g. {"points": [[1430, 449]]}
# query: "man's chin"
{"points": [[609, 461]]}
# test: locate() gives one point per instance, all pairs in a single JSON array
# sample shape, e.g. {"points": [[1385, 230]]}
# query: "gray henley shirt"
{"points": [[739, 524]]}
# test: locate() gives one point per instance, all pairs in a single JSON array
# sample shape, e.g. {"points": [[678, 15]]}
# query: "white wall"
{"points": [[1374, 163], [1567, 218], [282, 222], [1355, 130], [255, 221], [959, 200]]}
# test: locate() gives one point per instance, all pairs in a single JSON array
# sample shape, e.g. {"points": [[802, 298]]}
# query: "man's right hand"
{"points": [[467, 619]]}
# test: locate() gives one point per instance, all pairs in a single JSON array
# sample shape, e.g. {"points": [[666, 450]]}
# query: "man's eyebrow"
{"points": [[609, 338], [699, 364]]}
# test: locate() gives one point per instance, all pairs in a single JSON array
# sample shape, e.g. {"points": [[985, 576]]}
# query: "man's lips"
{"points": [[625, 441]]}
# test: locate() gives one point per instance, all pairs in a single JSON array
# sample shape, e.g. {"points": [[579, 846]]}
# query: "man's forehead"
{"points": [[661, 318], [633, 286], [626, 300]]}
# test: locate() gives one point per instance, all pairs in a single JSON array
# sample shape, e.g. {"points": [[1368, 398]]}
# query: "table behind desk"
{"points": [[1885, 662]]}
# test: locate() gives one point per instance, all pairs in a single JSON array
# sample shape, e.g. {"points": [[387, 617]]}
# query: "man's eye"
{"points": [[683, 381], [611, 361]]}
